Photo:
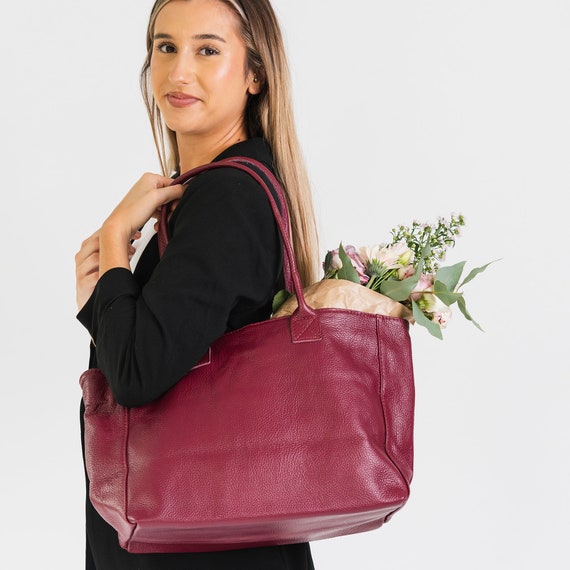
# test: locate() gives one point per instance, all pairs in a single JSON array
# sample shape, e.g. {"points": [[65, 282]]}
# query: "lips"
{"points": [[181, 100]]}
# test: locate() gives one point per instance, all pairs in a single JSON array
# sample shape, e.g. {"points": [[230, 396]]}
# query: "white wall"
{"points": [[406, 110]]}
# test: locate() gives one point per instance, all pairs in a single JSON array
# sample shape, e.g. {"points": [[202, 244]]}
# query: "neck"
{"points": [[196, 151]]}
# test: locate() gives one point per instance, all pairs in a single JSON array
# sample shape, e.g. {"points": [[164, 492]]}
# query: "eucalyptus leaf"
{"points": [[347, 271], [450, 275], [476, 271], [279, 299], [422, 320], [398, 290], [441, 291], [463, 308], [401, 290]]}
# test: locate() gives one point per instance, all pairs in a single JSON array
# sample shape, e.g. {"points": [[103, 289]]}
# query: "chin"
{"points": [[182, 127]]}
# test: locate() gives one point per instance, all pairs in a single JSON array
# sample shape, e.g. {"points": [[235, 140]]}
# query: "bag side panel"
{"points": [[106, 428], [397, 391]]}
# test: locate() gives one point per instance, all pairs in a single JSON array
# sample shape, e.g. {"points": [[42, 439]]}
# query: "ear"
{"points": [[255, 82]]}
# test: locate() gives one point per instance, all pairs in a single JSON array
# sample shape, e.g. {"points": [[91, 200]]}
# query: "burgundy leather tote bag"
{"points": [[289, 430]]}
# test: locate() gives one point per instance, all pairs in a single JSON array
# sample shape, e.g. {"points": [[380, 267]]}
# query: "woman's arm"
{"points": [[110, 246], [219, 271]]}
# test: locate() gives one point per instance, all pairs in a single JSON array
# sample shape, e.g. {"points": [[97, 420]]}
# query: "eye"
{"points": [[166, 48], [208, 51]]}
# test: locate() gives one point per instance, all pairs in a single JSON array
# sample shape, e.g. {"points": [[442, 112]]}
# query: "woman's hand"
{"points": [[141, 203], [110, 246], [87, 267]]}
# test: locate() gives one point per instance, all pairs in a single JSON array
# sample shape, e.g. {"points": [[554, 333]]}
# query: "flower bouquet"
{"points": [[403, 278]]}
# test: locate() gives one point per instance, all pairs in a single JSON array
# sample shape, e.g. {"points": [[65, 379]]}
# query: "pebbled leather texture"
{"points": [[294, 429]]}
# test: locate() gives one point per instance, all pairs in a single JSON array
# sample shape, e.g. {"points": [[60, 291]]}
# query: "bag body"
{"points": [[290, 430]]}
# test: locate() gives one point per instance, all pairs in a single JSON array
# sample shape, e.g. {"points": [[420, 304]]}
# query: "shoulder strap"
{"points": [[253, 168]]}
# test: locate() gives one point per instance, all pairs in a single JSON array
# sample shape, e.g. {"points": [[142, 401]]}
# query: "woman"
{"points": [[215, 82]]}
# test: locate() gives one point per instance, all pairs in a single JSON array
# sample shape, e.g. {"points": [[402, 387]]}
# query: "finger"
{"points": [[92, 271], [87, 267], [170, 193], [93, 238], [90, 280], [88, 248], [162, 181]]}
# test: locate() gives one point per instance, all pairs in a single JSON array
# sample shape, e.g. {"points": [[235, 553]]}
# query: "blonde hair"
{"points": [[268, 114]]}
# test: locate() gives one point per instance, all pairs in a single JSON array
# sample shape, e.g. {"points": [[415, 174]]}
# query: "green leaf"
{"points": [[463, 308], [422, 320], [450, 275], [400, 290], [328, 262], [347, 271], [279, 299], [448, 297], [476, 272]]}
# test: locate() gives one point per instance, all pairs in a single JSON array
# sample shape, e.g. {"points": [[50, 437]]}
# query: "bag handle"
{"points": [[304, 322], [283, 208]]}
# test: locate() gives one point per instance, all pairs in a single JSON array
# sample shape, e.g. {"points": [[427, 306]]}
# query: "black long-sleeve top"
{"points": [[219, 272]]}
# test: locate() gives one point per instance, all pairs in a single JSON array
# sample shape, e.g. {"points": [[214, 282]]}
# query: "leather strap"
{"points": [[304, 322]]}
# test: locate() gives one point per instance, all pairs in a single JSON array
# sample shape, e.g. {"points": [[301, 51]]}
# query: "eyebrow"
{"points": [[199, 37]]}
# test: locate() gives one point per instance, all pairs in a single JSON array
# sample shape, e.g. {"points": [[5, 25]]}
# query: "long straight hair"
{"points": [[268, 114]]}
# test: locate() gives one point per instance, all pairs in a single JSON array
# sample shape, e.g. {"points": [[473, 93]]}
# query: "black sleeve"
{"points": [[219, 268]]}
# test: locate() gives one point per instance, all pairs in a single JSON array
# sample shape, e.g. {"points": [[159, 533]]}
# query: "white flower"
{"points": [[395, 256], [370, 253]]}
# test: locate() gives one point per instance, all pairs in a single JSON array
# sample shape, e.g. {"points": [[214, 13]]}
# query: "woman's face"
{"points": [[198, 69]]}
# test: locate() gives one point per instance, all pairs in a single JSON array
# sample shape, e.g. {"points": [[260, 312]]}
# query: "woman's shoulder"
{"points": [[228, 193], [229, 187]]}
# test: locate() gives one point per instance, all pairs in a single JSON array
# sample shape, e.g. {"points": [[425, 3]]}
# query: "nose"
{"points": [[182, 70]]}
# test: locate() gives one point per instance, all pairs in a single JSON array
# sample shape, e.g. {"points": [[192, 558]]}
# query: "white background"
{"points": [[405, 110]]}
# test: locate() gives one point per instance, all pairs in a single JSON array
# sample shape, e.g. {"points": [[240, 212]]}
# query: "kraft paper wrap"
{"points": [[342, 294]]}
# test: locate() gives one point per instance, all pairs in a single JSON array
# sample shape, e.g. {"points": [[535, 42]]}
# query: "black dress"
{"points": [[220, 272]]}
